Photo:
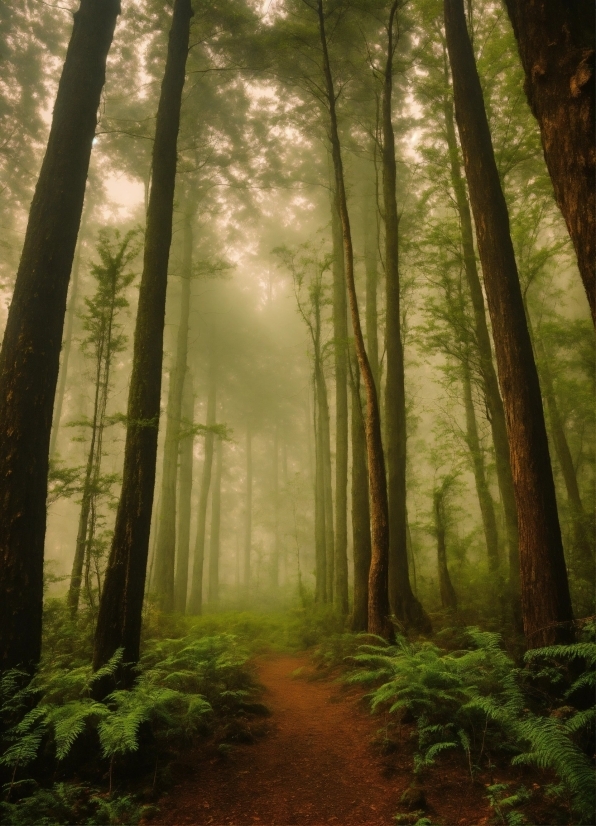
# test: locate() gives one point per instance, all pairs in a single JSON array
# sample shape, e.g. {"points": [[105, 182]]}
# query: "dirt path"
{"points": [[315, 766]]}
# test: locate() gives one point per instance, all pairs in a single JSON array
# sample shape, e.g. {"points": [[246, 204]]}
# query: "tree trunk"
{"points": [[448, 595], [186, 446], [325, 437], [120, 609], [404, 604], [556, 46], [67, 342], [320, 549], [275, 559], [30, 354], [248, 509], [485, 500], [165, 550], [378, 601], [214, 542], [360, 508], [340, 334], [492, 394], [546, 604], [370, 224], [195, 602]]}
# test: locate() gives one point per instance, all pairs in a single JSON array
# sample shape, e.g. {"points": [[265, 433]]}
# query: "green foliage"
{"points": [[476, 700], [504, 802]]}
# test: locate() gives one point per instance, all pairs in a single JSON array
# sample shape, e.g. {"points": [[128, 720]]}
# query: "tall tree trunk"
{"points": [[30, 354], [378, 600], [490, 383], [214, 541], [448, 595], [120, 609], [360, 507], [67, 342], [320, 549], [186, 446], [340, 334], [325, 437], [556, 46], [370, 225], [165, 549], [248, 508], [275, 559], [485, 500], [404, 604], [195, 601], [546, 603]]}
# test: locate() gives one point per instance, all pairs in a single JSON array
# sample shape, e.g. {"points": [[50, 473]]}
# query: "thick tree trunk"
{"points": [[195, 601], [165, 549], [248, 509], [340, 334], [490, 383], [30, 354], [120, 609], [378, 601], [448, 595], [67, 342], [404, 604], [186, 446], [556, 46], [370, 225], [485, 500], [360, 508], [546, 603], [214, 540]]}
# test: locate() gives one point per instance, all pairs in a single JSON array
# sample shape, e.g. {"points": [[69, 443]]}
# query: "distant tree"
{"points": [[30, 354], [120, 608], [440, 494], [186, 444]]}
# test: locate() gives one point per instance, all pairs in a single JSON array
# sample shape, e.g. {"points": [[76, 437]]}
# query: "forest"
{"points": [[297, 445]]}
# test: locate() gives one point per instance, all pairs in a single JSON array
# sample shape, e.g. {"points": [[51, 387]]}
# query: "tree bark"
{"points": [[556, 46], [325, 436], [340, 334], [186, 446], [404, 604], [448, 595], [360, 508], [546, 604], [30, 354], [120, 609], [165, 549], [490, 382], [248, 509], [485, 500], [378, 601], [214, 540], [195, 602], [370, 225]]}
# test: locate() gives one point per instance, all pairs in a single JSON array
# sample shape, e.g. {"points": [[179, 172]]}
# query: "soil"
{"points": [[322, 759]]}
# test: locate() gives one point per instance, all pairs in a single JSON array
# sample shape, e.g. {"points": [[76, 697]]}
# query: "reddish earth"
{"points": [[315, 765]]}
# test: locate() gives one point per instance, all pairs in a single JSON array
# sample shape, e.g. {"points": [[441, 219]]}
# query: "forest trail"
{"points": [[316, 764]]}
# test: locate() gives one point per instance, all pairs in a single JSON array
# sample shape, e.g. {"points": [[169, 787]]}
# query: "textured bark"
{"points": [[30, 354], [248, 508], [195, 600], [340, 334], [165, 549], [494, 402], [360, 508], [546, 604], [67, 342], [485, 500], [120, 609], [184, 496], [404, 604], [448, 595], [370, 227], [378, 601], [556, 45], [214, 539]]}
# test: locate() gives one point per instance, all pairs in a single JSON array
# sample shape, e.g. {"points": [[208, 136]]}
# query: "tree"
{"points": [[30, 354], [546, 604], [214, 539], [104, 340], [405, 605], [360, 506], [556, 46], [440, 493], [186, 444], [119, 619]]}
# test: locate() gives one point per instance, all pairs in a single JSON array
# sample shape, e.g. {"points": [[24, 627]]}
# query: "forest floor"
{"points": [[318, 759]]}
